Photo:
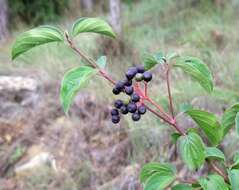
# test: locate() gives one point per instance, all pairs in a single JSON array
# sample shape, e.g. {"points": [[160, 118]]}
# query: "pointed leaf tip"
{"points": [[72, 82], [35, 37], [95, 25]]}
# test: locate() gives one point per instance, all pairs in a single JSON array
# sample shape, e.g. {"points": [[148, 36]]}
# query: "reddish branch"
{"points": [[169, 91], [165, 116], [89, 60], [219, 171]]}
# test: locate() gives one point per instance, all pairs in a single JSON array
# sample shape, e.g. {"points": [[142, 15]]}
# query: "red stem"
{"points": [[158, 107], [189, 181], [89, 60], [145, 89], [170, 99], [219, 171], [165, 120], [106, 76]]}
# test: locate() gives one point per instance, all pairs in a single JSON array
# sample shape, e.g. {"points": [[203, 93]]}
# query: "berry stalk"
{"points": [[219, 171], [170, 99], [158, 107], [166, 120]]}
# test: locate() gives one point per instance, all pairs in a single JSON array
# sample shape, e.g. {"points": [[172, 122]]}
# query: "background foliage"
{"points": [[35, 12]]}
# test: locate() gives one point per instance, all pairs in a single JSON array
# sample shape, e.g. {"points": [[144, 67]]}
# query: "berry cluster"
{"points": [[133, 104]]}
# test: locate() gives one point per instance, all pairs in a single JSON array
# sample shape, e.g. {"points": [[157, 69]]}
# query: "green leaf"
{"points": [[175, 137], [35, 37], [192, 150], [237, 122], [151, 60], [235, 165], [234, 178], [209, 124], [214, 153], [197, 70], [182, 186], [95, 25], [101, 62], [158, 182], [72, 82], [154, 167], [157, 176], [213, 182], [228, 118]]}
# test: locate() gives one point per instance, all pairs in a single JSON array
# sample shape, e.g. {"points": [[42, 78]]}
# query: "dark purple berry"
{"points": [[119, 85], [135, 97], [140, 68], [115, 119], [114, 112], [131, 73], [129, 90], [136, 116], [141, 109], [124, 109], [127, 82], [132, 107], [139, 77], [115, 91], [118, 103], [147, 76]]}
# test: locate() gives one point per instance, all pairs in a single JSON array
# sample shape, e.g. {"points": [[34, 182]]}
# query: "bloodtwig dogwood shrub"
{"points": [[193, 151]]}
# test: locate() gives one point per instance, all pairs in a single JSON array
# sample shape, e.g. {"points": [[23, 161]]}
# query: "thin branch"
{"points": [[219, 171], [165, 120], [170, 99], [158, 107], [89, 60], [145, 89], [188, 181]]}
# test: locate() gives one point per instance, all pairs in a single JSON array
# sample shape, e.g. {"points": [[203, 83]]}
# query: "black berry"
{"points": [[131, 73], [115, 119], [141, 109], [135, 97], [140, 68], [124, 109], [147, 76], [118, 103], [115, 91], [119, 85], [129, 90], [127, 82], [139, 77], [114, 112], [132, 107], [136, 116]]}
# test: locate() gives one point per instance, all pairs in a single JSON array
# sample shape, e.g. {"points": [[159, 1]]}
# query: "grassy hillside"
{"points": [[202, 30]]}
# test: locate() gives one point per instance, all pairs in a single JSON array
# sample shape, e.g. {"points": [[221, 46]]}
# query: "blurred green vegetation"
{"points": [[199, 29], [35, 12], [188, 27]]}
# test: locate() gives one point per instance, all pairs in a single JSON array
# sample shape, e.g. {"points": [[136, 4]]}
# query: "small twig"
{"points": [[145, 89], [89, 60], [189, 181], [170, 99], [218, 170], [166, 120], [158, 107]]}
